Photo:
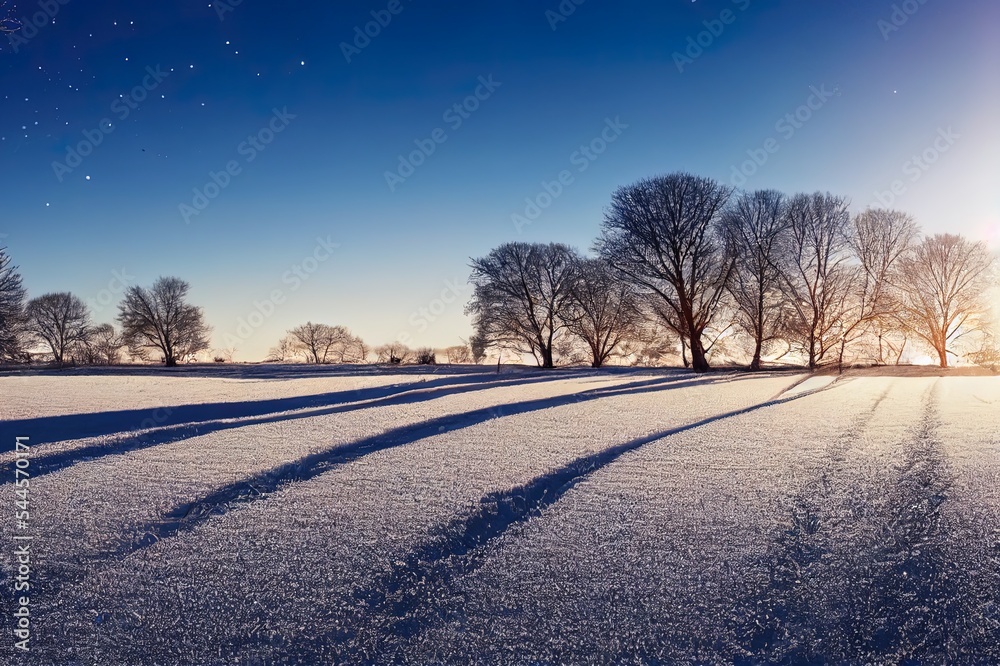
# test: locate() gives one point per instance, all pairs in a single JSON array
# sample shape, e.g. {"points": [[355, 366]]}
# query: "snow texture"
{"points": [[527, 517]]}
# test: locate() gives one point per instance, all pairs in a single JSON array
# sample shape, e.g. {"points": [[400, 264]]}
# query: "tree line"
{"points": [[682, 264], [159, 324], [155, 323], [760, 274]]}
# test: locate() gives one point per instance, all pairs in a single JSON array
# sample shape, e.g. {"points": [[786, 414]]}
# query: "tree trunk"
{"points": [[943, 357], [755, 363], [547, 357], [699, 363]]}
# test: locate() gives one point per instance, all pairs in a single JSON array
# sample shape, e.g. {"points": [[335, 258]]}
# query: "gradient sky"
{"points": [[899, 89]]}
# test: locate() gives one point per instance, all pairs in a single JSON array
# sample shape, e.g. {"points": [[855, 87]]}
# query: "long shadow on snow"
{"points": [[782, 621], [397, 604], [893, 598], [408, 394], [48, 429], [187, 516]]}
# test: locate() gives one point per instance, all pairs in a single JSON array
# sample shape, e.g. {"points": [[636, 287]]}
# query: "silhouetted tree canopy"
{"points": [[58, 320], [160, 319], [12, 319], [603, 309], [664, 235], [521, 296]]}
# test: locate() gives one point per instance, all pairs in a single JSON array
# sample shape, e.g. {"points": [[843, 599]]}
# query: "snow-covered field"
{"points": [[321, 516]]}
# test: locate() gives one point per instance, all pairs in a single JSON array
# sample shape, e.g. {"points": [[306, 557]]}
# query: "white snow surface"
{"points": [[528, 517]]}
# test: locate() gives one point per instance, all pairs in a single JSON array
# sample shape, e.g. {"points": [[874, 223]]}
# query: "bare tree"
{"points": [[945, 280], [755, 227], [663, 234], [160, 319], [356, 350], [224, 354], [880, 239], [459, 354], [282, 352], [319, 343], [887, 338], [425, 356], [394, 352], [58, 320], [603, 310], [819, 279], [104, 345], [988, 353], [12, 319], [521, 295]]}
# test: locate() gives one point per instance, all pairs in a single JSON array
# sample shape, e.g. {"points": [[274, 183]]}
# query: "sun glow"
{"points": [[989, 232]]}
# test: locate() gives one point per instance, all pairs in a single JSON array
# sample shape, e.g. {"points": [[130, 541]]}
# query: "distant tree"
{"points": [[755, 228], [357, 350], [819, 279], [459, 354], [160, 319], [521, 294], [477, 347], [663, 234], [103, 345], [425, 356], [58, 320], [988, 353], [224, 355], [394, 352], [945, 280], [319, 343], [12, 294], [603, 309], [282, 352]]}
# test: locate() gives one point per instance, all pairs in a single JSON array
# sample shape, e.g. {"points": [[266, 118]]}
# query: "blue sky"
{"points": [[887, 82]]}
